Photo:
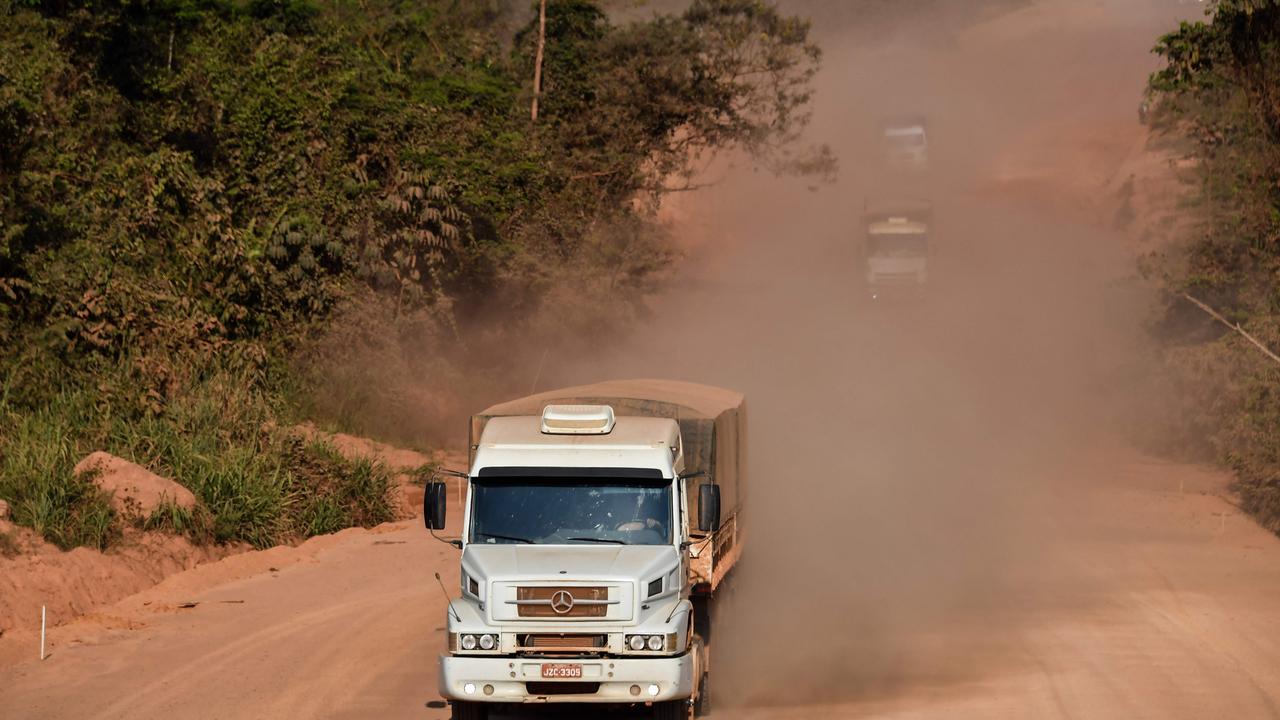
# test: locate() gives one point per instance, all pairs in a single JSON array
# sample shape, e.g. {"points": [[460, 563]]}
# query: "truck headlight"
{"points": [[472, 642], [652, 643]]}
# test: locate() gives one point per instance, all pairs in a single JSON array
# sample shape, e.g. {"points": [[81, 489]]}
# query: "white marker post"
{"points": [[42, 632]]}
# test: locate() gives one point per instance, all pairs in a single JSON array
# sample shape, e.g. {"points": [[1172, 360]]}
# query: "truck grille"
{"points": [[562, 643], [544, 602]]}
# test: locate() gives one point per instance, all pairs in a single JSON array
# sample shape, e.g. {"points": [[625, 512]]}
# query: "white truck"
{"points": [[897, 251], [906, 143], [599, 522]]}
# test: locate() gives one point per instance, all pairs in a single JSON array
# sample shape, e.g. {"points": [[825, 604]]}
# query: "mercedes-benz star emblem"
{"points": [[562, 602]]}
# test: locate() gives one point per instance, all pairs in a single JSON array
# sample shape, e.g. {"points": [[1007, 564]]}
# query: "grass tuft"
{"points": [[219, 437], [37, 456]]}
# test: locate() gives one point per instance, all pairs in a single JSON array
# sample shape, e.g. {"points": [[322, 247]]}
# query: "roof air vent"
{"points": [[577, 419]]}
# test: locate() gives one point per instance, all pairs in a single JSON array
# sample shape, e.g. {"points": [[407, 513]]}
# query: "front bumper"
{"points": [[508, 676]]}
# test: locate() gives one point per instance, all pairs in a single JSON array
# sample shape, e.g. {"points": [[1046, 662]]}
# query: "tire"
{"points": [[702, 707], [465, 710], [702, 618], [673, 710]]}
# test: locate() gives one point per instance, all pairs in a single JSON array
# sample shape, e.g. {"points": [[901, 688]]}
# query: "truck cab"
{"points": [[897, 253], [577, 583], [906, 143]]}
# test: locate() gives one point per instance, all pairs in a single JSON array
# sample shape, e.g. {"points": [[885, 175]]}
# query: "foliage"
{"points": [[340, 492], [724, 75], [199, 197], [1239, 47], [1221, 86], [36, 461]]}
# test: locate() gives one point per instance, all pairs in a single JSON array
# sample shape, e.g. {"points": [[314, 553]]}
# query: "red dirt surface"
{"points": [[73, 583]]}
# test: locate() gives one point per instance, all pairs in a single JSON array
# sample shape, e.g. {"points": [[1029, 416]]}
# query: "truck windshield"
{"points": [[897, 245], [550, 511]]}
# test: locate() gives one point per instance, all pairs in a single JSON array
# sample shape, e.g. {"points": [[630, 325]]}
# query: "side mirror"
{"points": [[434, 505], [709, 508]]}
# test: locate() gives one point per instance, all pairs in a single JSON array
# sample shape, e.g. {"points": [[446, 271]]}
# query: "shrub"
{"points": [[1220, 87]]}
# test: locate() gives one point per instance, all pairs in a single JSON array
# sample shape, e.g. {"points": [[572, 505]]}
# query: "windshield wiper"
{"points": [[598, 539], [512, 538]]}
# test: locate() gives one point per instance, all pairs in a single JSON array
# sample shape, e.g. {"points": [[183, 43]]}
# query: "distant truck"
{"points": [[906, 143], [599, 522], [896, 251]]}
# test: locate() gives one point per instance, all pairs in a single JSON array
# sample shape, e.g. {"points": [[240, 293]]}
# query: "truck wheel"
{"points": [[673, 710], [702, 618], [702, 707], [463, 710]]}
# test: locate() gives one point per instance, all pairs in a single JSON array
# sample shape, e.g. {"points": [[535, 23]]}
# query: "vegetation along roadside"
{"points": [[1220, 88], [221, 217]]}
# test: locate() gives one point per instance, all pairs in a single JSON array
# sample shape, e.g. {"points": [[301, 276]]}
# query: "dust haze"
{"points": [[944, 520], [911, 464]]}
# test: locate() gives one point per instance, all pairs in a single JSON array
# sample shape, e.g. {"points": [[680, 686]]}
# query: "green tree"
{"points": [[641, 107], [1240, 45]]}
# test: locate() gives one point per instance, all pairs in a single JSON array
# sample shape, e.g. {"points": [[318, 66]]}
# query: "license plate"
{"points": [[562, 670]]}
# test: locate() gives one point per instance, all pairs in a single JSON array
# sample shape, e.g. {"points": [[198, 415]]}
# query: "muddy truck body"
{"points": [[598, 525]]}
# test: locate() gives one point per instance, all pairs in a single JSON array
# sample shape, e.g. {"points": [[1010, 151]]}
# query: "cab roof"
{"points": [[627, 433], [635, 442], [902, 227]]}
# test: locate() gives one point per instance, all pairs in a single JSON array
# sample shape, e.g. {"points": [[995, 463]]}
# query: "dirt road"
{"points": [[945, 522], [1187, 628], [1162, 608]]}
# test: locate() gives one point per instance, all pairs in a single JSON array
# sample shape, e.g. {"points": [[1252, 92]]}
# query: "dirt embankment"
{"points": [[75, 583], [38, 575], [72, 583]]}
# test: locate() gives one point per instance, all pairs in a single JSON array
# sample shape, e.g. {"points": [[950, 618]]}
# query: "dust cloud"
{"points": [[907, 461]]}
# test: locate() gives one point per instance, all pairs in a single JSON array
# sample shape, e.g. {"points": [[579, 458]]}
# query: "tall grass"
{"points": [[38, 452], [221, 438]]}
